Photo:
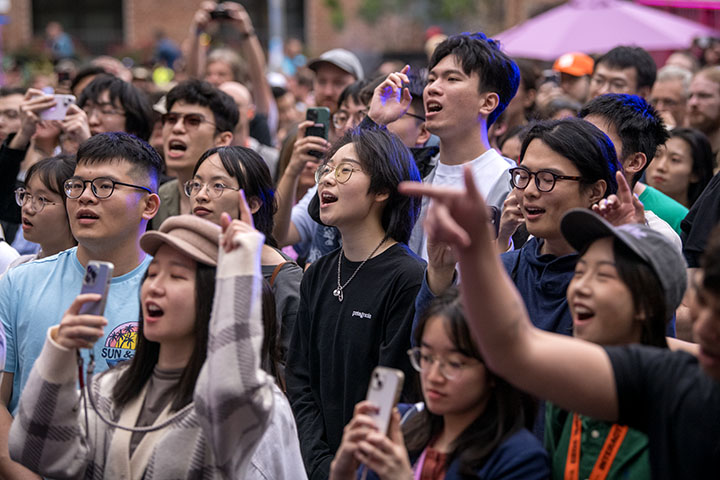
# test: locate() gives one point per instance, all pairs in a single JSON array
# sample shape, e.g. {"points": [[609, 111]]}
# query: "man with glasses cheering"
{"points": [[199, 117], [110, 199]]}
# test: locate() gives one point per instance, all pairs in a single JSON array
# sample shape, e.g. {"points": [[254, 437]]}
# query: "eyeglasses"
{"points": [[37, 203], [424, 362], [544, 179], [191, 121], [193, 187], [418, 117], [101, 187], [10, 113], [340, 118], [102, 109], [343, 172]]}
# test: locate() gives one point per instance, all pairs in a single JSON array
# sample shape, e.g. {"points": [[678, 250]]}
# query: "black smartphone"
{"points": [[320, 116], [220, 13]]}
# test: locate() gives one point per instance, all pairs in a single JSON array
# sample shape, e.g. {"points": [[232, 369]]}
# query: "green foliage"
{"points": [[337, 17]]}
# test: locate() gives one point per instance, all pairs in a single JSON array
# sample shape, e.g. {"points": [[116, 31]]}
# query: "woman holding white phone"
{"points": [[471, 425]]}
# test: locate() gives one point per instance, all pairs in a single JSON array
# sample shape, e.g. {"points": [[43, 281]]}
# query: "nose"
{"points": [[87, 196], [93, 117], [661, 163], [179, 125], [203, 194], [434, 373]]}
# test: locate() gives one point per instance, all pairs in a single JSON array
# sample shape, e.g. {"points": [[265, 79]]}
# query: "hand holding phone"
{"points": [[97, 280], [58, 112], [383, 392]]}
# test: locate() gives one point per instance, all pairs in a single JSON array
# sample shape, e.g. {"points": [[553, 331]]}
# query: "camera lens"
{"points": [[312, 115]]}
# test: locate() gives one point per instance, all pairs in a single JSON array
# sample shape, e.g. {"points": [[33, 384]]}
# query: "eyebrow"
{"points": [[445, 73], [601, 262], [452, 350]]}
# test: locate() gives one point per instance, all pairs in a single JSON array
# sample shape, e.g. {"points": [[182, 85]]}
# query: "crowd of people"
{"points": [[277, 237]]}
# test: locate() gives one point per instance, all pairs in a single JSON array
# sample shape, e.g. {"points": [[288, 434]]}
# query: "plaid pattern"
{"points": [[215, 439]]}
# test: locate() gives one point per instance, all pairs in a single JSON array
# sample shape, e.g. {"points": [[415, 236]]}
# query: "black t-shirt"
{"points": [[699, 222], [336, 345], [668, 396]]}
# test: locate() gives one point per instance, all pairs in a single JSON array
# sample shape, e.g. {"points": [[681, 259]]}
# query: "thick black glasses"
{"points": [[544, 179], [101, 187]]}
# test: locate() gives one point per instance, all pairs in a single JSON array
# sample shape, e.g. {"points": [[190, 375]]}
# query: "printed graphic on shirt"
{"points": [[361, 314], [120, 343]]}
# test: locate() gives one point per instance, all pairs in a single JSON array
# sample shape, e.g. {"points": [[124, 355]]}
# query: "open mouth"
{"points": [[583, 313], [433, 107], [534, 211], [87, 216], [153, 311], [27, 222], [327, 198], [177, 146]]}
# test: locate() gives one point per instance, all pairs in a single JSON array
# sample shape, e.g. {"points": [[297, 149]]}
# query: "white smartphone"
{"points": [[97, 280], [59, 111], [384, 392]]}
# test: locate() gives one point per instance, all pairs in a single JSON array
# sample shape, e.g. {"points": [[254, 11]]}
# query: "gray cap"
{"points": [[581, 227], [341, 58]]}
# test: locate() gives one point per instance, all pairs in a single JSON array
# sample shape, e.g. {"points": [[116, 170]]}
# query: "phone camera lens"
{"points": [[312, 115]]}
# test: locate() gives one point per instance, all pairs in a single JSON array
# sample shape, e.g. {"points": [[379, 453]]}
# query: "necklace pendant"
{"points": [[338, 293]]}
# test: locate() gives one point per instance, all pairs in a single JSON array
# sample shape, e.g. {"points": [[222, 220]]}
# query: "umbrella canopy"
{"points": [[596, 26]]}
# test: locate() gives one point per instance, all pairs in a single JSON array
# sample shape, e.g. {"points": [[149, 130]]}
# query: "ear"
{"points": [[254, 203], [489, 101], [634, 163], [151, 206], [381, 197], [423, 136], [529, 98], [597, 191], [223, 139], [644, 92]]}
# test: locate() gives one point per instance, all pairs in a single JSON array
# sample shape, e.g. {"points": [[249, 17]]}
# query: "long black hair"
{"points": [[140, 368], [703, 159], [507, 411], [253, 176]]}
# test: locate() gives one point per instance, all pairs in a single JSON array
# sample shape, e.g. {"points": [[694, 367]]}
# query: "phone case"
{"points": [[97, 280], [59, 111], [319, 115], [384, 392]]}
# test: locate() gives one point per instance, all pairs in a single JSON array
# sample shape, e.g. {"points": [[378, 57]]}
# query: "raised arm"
{"points": [[233, 396], [574, 374]]}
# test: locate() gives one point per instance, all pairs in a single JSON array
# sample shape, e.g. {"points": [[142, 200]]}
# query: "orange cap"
{"points": [[575, 63]]}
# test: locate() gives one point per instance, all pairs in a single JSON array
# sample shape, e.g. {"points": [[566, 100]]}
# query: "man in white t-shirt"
{"points": [[470, 82], [111, 198]]}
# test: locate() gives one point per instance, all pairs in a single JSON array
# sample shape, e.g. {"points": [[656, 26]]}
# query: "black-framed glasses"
{"points": [[191, 121], [101, 187], [340, 118], [343, 171], [215, 190], [424, 361], [102, 109], [37, 203], [418, 117], [544, 179]]}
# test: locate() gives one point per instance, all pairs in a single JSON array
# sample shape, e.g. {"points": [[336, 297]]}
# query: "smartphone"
{"points": [[220, 13], [97, 280], [384, 392], [59, 111], [320, 116]]}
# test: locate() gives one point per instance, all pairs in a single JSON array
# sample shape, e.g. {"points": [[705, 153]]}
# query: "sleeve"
{"points": [[233, 396], [308, 416], [46, 435], [521, 457], [300, 217], [287, 295], [8, 304], [699, 222], [10, 160], [396, 341]]}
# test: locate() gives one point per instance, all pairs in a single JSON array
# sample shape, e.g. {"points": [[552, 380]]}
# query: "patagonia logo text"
{"points": [[361, 314]]}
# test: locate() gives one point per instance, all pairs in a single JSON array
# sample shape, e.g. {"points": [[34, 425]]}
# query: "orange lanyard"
{"points": [[605, 459]]}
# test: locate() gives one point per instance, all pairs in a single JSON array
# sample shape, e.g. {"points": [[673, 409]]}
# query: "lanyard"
{"points": [[605, 459], [419, 465]]}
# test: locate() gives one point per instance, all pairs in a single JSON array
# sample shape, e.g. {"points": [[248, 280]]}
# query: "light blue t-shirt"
{"points": [[35, 295]]}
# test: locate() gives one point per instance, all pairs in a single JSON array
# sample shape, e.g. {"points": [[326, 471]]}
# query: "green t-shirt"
{"points": [[664, 207], [631, 462]]}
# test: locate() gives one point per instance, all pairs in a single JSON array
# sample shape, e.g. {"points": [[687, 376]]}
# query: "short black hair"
{"points": [[83, 73], [357, 91], [120, 146], [198, 92], [703, 159], [135, 103], [53, 172], [636, 122], [481, 55], [581, 142], [387, 162], [7, 91], [623, 57], [253, 176]]}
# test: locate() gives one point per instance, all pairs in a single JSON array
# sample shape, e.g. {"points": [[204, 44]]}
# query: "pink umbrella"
{"points": [[596, 26]]}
